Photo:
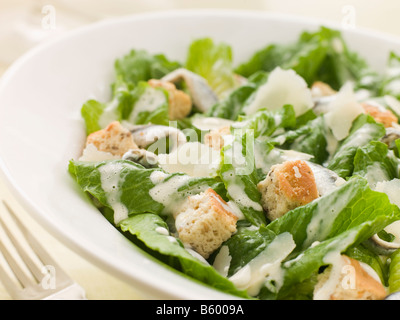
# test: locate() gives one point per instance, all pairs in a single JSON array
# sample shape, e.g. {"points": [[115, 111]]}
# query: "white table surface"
{"points": [[25, 23]]}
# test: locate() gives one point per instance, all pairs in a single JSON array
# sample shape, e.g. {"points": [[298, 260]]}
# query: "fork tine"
{"points": [[41, 253], [23, 254], [18, 272], [8, 283]]}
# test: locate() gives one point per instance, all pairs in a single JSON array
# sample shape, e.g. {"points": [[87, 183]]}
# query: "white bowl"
{"points": [[41, 128]]}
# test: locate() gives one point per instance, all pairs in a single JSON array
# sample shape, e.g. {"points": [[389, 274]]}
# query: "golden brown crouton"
{"points": [[350, 282], [215, 138], [286, 187], [321, 89], [180, 104], [114, 139], [384, 116], [205, 222]]}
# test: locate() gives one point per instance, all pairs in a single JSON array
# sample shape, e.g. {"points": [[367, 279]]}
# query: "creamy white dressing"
{"points": [[150, 100], [335, 259], [360, 137], [265, 267], [282, 87], [222, 261], [392, 190], [110, 177], [163, 191], [325, 179], [157, 177], [275, 156], [325, 214], [236, 190], [211, 123], [110, 113], [375, 173], [193, 158], [235, 210], [162, 230]]}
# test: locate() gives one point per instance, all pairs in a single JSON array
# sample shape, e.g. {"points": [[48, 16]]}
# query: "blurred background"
{"points": [[26, 23]]}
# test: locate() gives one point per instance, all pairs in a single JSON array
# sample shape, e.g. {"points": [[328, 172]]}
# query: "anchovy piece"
{"points": [[202, 95]]}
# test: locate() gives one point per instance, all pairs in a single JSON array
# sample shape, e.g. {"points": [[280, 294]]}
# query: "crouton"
{"points": [[380, 114], [205, 222], [286, 187], [349, 281], [114, 139], [215, 138], [180, 103], [321, 89]]}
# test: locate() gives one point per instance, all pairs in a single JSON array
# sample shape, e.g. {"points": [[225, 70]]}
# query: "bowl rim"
{"points": [[29, 205]]}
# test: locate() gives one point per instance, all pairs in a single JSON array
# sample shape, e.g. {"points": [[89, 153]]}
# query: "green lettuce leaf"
{"points": [[144, 228], [266, 122], [231, 106], [140, 65], [309, 138], [394, 272], [149, 105], [213, 62], [239, 174], [364, 130], [98, 115], [363, 254], [376, 163], [338, 211], [133, 183], [391, 79], [333, 223], [316, 56]]}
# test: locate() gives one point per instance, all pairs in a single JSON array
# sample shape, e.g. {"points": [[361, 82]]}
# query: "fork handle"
{"points": [[72, 292]]}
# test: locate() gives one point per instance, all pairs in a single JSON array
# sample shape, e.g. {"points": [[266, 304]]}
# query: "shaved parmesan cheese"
{"points": [[211, 123], [282, 87], [342, 112]]}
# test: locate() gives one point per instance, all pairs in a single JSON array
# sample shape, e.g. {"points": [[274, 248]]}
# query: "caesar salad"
{"points": [[277, 178]]}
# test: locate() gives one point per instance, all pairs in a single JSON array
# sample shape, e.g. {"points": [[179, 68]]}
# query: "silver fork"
{"points": [[36, 276]]}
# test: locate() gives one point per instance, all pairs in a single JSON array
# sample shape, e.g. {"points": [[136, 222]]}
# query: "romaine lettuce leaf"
{"points": [[231, 106], [363, 254], [213, 62], [364, 130], [265, 122], [239, 174], [391, 79], [149, 105], [133, 186], [309, 138], [144, 228], [333, 223], [246, 244], [394, 272], [376, 163], [316, 56], [98, 115], [140, 65], [350, 205]]}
